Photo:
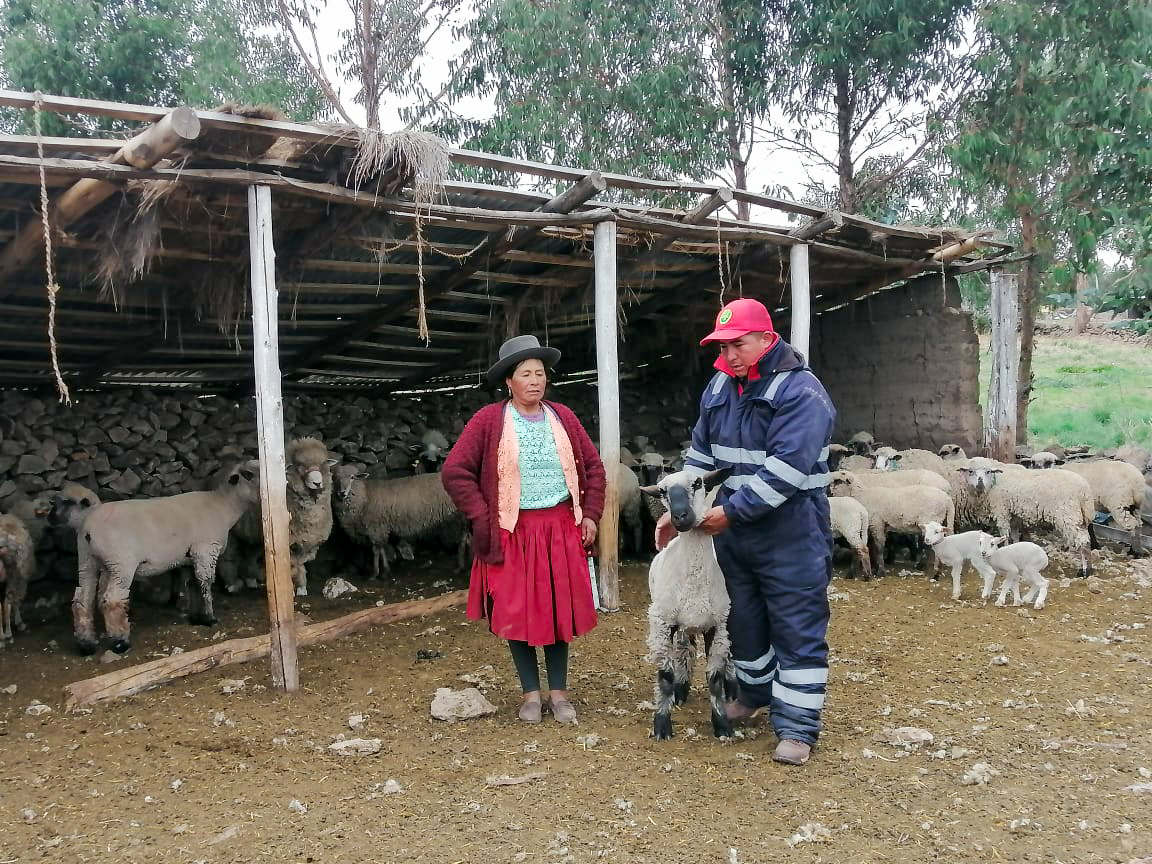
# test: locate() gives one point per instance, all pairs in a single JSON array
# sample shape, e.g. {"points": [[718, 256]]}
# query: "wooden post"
{"points": [[801, 299], [1000, 415], [171, 132], [608, 387], [270, 423]]}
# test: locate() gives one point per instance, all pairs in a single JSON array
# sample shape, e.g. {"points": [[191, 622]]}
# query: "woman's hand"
{"points": [[587, 532], [665, 531]]}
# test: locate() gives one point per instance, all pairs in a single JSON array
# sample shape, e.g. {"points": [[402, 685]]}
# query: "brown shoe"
{"points": [[738, 712], [529, 711], [792, 752], [563, 710]]}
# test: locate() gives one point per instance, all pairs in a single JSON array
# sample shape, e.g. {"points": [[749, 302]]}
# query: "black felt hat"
{"points": [[520, 348]]}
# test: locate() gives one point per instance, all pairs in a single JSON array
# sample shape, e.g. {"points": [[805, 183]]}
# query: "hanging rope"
{"points": [[50, 274], [422, 310]]}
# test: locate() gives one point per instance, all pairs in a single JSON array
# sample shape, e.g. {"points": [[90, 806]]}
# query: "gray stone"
{"points": [[194, 418], [79, 470], [100, 463], [49, 450], [118, 434], [167, 420], [93, 435], [128, 483], [7, 463], [11, 447], [31, 483], [32, 463]]}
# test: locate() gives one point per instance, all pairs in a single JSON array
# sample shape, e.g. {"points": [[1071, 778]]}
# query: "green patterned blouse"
{"points": [[541, 477]]}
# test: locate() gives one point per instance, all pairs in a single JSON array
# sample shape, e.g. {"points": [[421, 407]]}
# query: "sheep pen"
{"points": [[226, 758]]}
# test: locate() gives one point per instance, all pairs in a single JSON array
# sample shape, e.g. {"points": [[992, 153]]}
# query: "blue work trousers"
{"points": [[777, 571]]}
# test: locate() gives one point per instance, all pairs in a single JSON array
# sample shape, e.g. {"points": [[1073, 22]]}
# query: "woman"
{"points": [[526, 475]]}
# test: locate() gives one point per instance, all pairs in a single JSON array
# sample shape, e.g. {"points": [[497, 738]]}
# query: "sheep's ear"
{"points": [[233, 478], [652, 491], [998, 541], [964, 469], [332, 462], [361, 475], [714, 478], [995, 470], [1059, 461], [247, 473], [84, 502]]}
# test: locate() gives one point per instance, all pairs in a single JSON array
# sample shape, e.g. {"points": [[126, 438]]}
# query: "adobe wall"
{"points": [[903, 365]]}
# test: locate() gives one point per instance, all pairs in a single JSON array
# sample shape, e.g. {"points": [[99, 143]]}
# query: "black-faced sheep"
{"points": [[18, 560], [689, 599], [375, 511], [123, 539]]}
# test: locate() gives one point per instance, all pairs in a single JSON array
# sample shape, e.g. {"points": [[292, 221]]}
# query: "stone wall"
{"points": [[904, 365]]}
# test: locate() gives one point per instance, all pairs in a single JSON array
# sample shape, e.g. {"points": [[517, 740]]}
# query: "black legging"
{"points": [[555, 658]]}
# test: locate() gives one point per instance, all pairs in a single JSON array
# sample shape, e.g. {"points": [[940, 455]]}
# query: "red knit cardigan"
{"points": [[470, 474]]}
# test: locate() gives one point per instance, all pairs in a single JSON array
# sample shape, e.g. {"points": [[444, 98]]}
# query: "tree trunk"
{"points": [[844, 116], [1028, 279], [1083, 315], [736, 155], [368, 66]]}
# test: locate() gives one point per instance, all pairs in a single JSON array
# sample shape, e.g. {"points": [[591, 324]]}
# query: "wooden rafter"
{"points": [[493, 245]]}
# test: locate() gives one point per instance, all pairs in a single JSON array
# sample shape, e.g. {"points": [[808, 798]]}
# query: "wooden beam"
{"points": [[608, 391], [1000, 416], [135, 679], [173, 130], [831, 219], [493, 245], [270, 423]]}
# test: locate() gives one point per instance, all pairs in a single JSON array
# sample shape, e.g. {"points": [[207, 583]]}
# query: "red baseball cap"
{"points": [[739, 318]]}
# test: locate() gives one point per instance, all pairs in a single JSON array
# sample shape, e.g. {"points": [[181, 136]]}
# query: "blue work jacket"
{"points": [[772, 430]]}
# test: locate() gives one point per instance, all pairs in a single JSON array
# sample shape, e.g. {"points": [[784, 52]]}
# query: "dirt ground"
{"points": [[1047, 714]]}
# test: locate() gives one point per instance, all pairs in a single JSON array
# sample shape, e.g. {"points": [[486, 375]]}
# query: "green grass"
{"points": [[1088, 391]]}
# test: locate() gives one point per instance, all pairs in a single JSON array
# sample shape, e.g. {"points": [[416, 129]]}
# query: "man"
{"points": [[767, 419]]}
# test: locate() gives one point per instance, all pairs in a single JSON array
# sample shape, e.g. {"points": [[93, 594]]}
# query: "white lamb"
{"points": [[902, 510], [888, 459], [631, 505], [688, 599], [955, 550], [849, 520], [123, 539], [1015, 563]]}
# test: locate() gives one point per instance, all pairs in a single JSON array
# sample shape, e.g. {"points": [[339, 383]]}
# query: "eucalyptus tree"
{"points": [[160, 52], [1055, 135]]}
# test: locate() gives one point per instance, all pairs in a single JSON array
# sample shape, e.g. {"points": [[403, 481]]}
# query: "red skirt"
{"points": [[542, 593]]}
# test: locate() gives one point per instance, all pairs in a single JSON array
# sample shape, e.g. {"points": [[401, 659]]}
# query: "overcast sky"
{"points": [[766, 168]]}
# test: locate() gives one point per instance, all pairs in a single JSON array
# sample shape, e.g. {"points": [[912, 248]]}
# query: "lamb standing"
{"points": [[688, 599], [631, 505], [1018, 562], [374, 511], [123, 539], [18, 563], [954, 550]]}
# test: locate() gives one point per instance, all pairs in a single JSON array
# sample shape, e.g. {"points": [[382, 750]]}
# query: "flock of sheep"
{"points": [[879, 497]]}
